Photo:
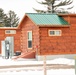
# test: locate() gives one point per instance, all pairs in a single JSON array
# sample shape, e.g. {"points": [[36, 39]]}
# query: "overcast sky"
{"points": [[20, 7]]}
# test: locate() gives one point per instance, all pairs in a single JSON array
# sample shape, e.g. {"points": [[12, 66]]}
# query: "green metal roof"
{"points": [[47, 19]]}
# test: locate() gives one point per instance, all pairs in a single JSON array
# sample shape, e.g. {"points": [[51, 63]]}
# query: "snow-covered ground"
{"points": [[6, 62], [36, 72]]}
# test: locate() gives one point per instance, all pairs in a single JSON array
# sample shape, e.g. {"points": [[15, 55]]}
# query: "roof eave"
{"points": [[67, 14], [31, 19], [8, 28], [21, 22], [53, 25]]}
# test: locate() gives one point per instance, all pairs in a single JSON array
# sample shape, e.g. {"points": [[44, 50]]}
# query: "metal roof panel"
{"points": [[47, 19]]}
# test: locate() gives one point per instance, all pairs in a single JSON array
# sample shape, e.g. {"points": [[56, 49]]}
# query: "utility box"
{"points": [[11, 45], [7, 47], [3, 51]]}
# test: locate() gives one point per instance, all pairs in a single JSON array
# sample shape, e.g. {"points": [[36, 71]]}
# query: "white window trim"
{"points": [[55, 34], [27, 39]]}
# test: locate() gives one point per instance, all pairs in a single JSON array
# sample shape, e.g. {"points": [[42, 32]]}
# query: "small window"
{"points": [[10, 31], [29, 39], [54, 32]]}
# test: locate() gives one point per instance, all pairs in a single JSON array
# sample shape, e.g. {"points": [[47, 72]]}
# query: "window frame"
{"points": [[55, 33], [28, 40], [10, 31]]}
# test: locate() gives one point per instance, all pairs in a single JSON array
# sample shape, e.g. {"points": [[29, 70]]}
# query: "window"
{"points": [[10, 31], [29, 39], [54, 32]]}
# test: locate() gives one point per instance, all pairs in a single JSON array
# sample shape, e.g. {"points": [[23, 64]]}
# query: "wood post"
{"points": [[44, 65], [75, 65]]}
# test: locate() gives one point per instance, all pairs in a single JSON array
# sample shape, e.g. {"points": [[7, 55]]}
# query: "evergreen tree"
{"points": [[2, 15], [55, 6], [8, 20], [12, 19]]}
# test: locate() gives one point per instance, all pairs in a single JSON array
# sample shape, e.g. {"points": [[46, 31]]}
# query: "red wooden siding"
{"points": [[64, 44], [28, 25], [16, 38]]}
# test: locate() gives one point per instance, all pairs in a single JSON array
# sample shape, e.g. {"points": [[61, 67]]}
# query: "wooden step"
{"points": [[27, 55]]}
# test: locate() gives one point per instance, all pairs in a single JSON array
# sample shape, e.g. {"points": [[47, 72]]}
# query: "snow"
{"points": [[62, 61], [13, 71], [6, 62], [37, 72]]}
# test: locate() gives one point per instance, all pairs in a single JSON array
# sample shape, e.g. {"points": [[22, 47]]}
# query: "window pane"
{"points": [[29, 44], [52, 32], [30, 39], [29, 35], [57, 33]]}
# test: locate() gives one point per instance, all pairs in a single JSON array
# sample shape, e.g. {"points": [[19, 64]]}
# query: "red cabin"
{"points": [[44, 34]]}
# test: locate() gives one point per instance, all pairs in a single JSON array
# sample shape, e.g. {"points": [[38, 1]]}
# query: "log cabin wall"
{"points": [[16, 38], [28, 25], [64, 44]]}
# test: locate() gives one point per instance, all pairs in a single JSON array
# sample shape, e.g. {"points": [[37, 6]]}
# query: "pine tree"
{"points": [[8, 20], [12, 19], [55, 6], [2, 15]]}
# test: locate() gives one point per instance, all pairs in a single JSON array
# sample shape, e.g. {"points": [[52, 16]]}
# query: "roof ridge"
{"points": [[43, 13]]}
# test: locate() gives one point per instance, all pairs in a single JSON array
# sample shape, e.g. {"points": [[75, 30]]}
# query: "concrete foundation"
{"points": [[50, 57]]}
